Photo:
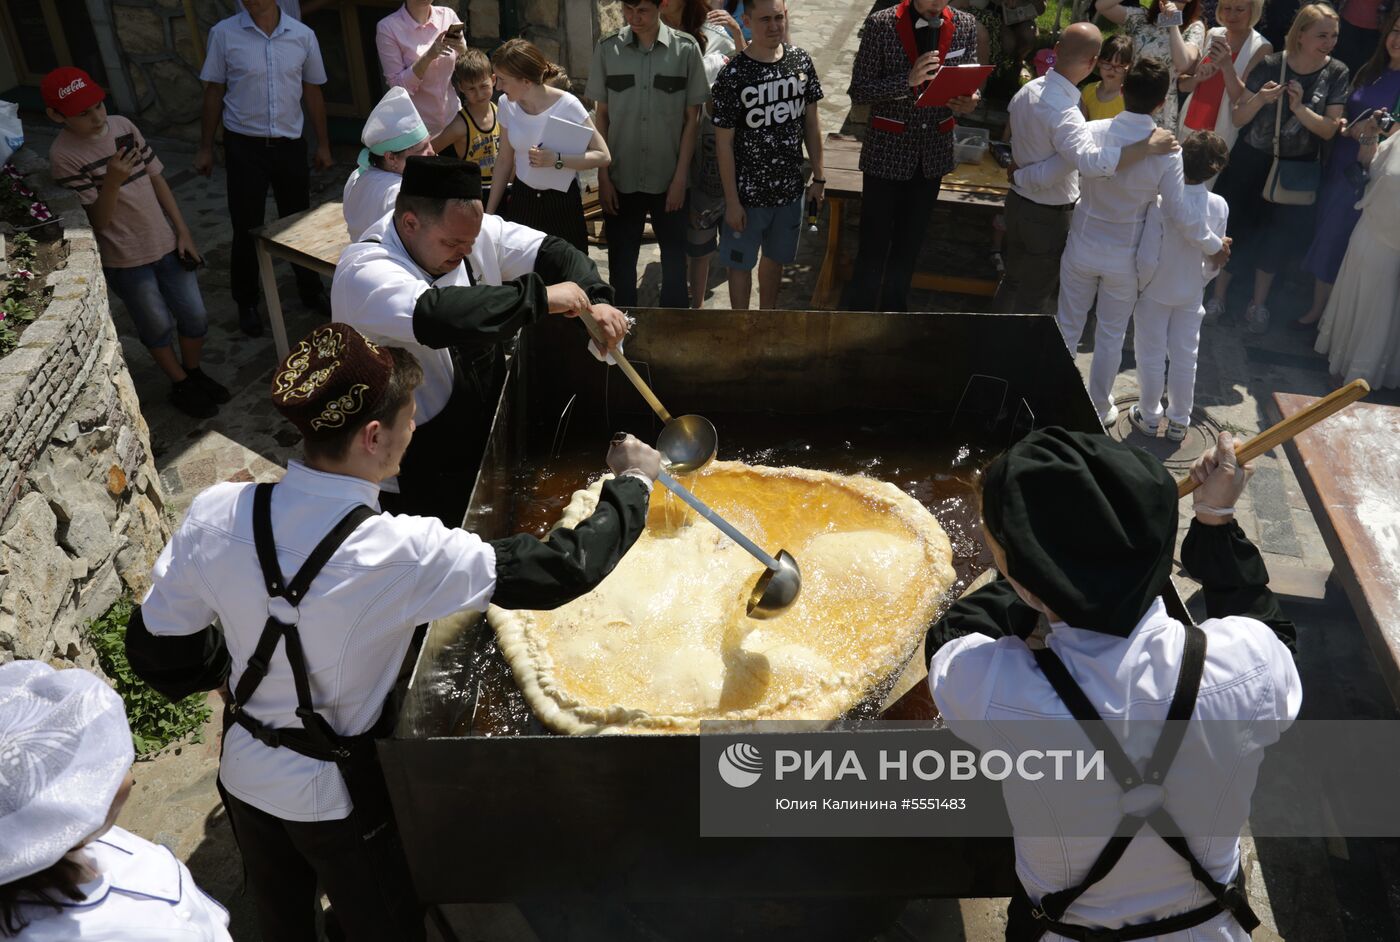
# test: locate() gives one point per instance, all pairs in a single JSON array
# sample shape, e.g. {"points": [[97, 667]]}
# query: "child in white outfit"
{"points": [[1172, 275]]}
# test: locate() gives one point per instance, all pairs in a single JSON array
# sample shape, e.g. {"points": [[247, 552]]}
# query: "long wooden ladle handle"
{"points": [[597, 334], [1277, 434]]}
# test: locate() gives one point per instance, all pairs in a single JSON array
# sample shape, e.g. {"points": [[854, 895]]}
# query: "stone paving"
{"points": [[1306, 889]]}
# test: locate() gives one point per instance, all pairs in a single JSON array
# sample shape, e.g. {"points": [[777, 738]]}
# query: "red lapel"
{"points": [[904, 27], [945, 35]]}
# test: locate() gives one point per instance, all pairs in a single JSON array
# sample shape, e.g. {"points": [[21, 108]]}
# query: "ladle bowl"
{"points": [[776, 589], [688, 443]]}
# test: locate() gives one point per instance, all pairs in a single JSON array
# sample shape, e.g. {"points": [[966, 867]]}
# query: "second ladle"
{"points": [[779, 584], [688, 442]]}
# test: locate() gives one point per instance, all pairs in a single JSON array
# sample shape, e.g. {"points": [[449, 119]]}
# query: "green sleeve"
{"points": [[478, 315], [557, 261], [545, 574]]}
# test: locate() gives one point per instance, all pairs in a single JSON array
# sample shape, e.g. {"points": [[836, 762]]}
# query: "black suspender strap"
{"points": [[319, 741], [1227, 896]]}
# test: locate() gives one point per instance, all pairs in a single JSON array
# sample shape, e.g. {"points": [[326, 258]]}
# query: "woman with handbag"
{"points": [[1294, 101], [1360, 332], [1376, 89], [1170, 31]]}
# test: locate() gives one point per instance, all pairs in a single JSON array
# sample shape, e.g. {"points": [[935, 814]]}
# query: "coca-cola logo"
{"points": [[74, 86]]}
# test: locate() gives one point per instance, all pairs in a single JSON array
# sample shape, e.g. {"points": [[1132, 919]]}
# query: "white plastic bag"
{"points": [[11, 131]]}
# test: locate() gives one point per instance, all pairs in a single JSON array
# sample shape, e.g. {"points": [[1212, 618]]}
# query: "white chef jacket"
{"points": [[1107, 223], [1249, 676], [392, 573], [1172, 270], [367, 196], [377, 284], [1049, 142], [142, 894]]}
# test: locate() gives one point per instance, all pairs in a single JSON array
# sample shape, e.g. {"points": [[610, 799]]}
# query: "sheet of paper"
{"points": [[566, 137]]}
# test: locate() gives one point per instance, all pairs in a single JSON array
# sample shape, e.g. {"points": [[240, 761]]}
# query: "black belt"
{"points": [[1054, 207], [261, 141]]}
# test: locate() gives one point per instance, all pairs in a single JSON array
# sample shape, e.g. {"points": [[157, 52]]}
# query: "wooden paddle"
{"points": [[1276, 435]]}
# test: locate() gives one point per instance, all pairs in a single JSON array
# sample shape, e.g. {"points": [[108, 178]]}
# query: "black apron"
{"points": [[1027, 922], [354, 756]]}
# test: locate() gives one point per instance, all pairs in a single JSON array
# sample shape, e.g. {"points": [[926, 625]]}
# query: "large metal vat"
{"points": [[528, 816]]}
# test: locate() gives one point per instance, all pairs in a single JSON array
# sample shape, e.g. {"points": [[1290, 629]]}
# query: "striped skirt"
{"points": [[552, 212]]}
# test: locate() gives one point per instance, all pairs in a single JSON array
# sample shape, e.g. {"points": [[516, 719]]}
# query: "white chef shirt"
{"points": [[1249, 677], [1107, 223], [262, 74], [1049, 144], [377, 284], [1172, 270], [142, 893], [368, 195], [392, 573]]}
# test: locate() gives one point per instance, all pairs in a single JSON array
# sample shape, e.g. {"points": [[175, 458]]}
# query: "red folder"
{"points": [[953, 81]]}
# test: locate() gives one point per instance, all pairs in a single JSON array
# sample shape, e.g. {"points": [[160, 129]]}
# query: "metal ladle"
{"points": [[780, 582], [688, 442]]}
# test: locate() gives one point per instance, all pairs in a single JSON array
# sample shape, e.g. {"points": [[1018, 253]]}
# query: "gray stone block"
{"points": [[88, 534]]}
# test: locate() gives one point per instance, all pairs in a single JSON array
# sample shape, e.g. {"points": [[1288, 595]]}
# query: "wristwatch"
{"points": [[558, 161]]}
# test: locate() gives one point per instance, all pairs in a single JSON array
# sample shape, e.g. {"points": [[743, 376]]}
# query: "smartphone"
{"points": [[126, 141], [455, 30], [1169, 18]]}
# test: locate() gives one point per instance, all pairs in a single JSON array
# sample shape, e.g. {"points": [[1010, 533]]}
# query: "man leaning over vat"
{"points": [[317, 594], [1113, 652], [453, 285]]}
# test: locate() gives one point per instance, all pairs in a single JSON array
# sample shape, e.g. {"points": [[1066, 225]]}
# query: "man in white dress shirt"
{"points": [[1083, 529], [393, 133], [1106, 226], [317, 595], [452, 285], [1050, 149], [261, 66]]}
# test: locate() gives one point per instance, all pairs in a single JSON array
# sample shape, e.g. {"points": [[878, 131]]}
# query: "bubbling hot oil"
{"points": [[889, 448]]}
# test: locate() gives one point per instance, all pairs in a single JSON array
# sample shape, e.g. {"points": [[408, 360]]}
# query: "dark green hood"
{"points": [[1088, 525]]}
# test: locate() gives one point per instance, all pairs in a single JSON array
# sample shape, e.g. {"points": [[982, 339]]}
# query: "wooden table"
{"points": [[312, 239], [982, 184], [1349, 469]]}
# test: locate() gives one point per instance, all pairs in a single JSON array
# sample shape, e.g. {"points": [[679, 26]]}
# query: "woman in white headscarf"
{"points": [[66, 871]]}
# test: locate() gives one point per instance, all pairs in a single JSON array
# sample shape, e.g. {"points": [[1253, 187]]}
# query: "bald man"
{"points": [[1050, 148]]}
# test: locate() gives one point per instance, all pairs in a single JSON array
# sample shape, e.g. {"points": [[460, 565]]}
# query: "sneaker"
{"points": [[1175, 430], [1256, 319], [249, 320], [1140, 422], [217, 393], [189, 398], [1215, 308], [998, 263], [1110, 418]]}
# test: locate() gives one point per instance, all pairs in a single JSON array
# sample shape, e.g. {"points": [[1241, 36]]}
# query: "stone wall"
{"points": [[564, 30], [159, 62], [80, 502]]}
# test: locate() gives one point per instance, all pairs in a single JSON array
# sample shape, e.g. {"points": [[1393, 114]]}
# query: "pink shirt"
{"points": [[139, 232], [400, 41]]}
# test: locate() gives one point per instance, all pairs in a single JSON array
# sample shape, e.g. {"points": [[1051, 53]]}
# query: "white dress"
{"points": [[1360, 332]]}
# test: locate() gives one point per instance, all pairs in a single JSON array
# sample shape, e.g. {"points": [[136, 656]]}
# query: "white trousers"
{"points": [[1114, 281], [1161, 333]]}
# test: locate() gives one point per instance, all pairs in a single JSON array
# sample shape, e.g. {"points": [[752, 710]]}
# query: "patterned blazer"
{"points": [[903, 139]]}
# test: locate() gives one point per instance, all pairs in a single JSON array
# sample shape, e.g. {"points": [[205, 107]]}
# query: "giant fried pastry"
{"points": [[664, 644]]}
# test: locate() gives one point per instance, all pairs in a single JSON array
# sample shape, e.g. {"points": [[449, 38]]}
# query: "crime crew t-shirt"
{"points": [[765, 103]]}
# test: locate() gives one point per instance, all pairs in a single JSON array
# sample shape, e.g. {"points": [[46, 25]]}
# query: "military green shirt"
{"points": [[647, 92]]}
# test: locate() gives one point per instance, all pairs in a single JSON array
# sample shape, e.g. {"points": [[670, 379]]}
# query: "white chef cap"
{"points": [[393, 125], [64, 749]]}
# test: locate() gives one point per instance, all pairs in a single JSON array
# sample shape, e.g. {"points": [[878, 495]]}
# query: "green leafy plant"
{"points": [[155, 721], [23, 249], [16, 311]]}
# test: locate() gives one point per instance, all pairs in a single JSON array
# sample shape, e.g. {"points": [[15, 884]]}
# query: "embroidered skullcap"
{"points": [[392, 126], [329, 377], [1088, 525], [64, 749], [442, 178]]}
